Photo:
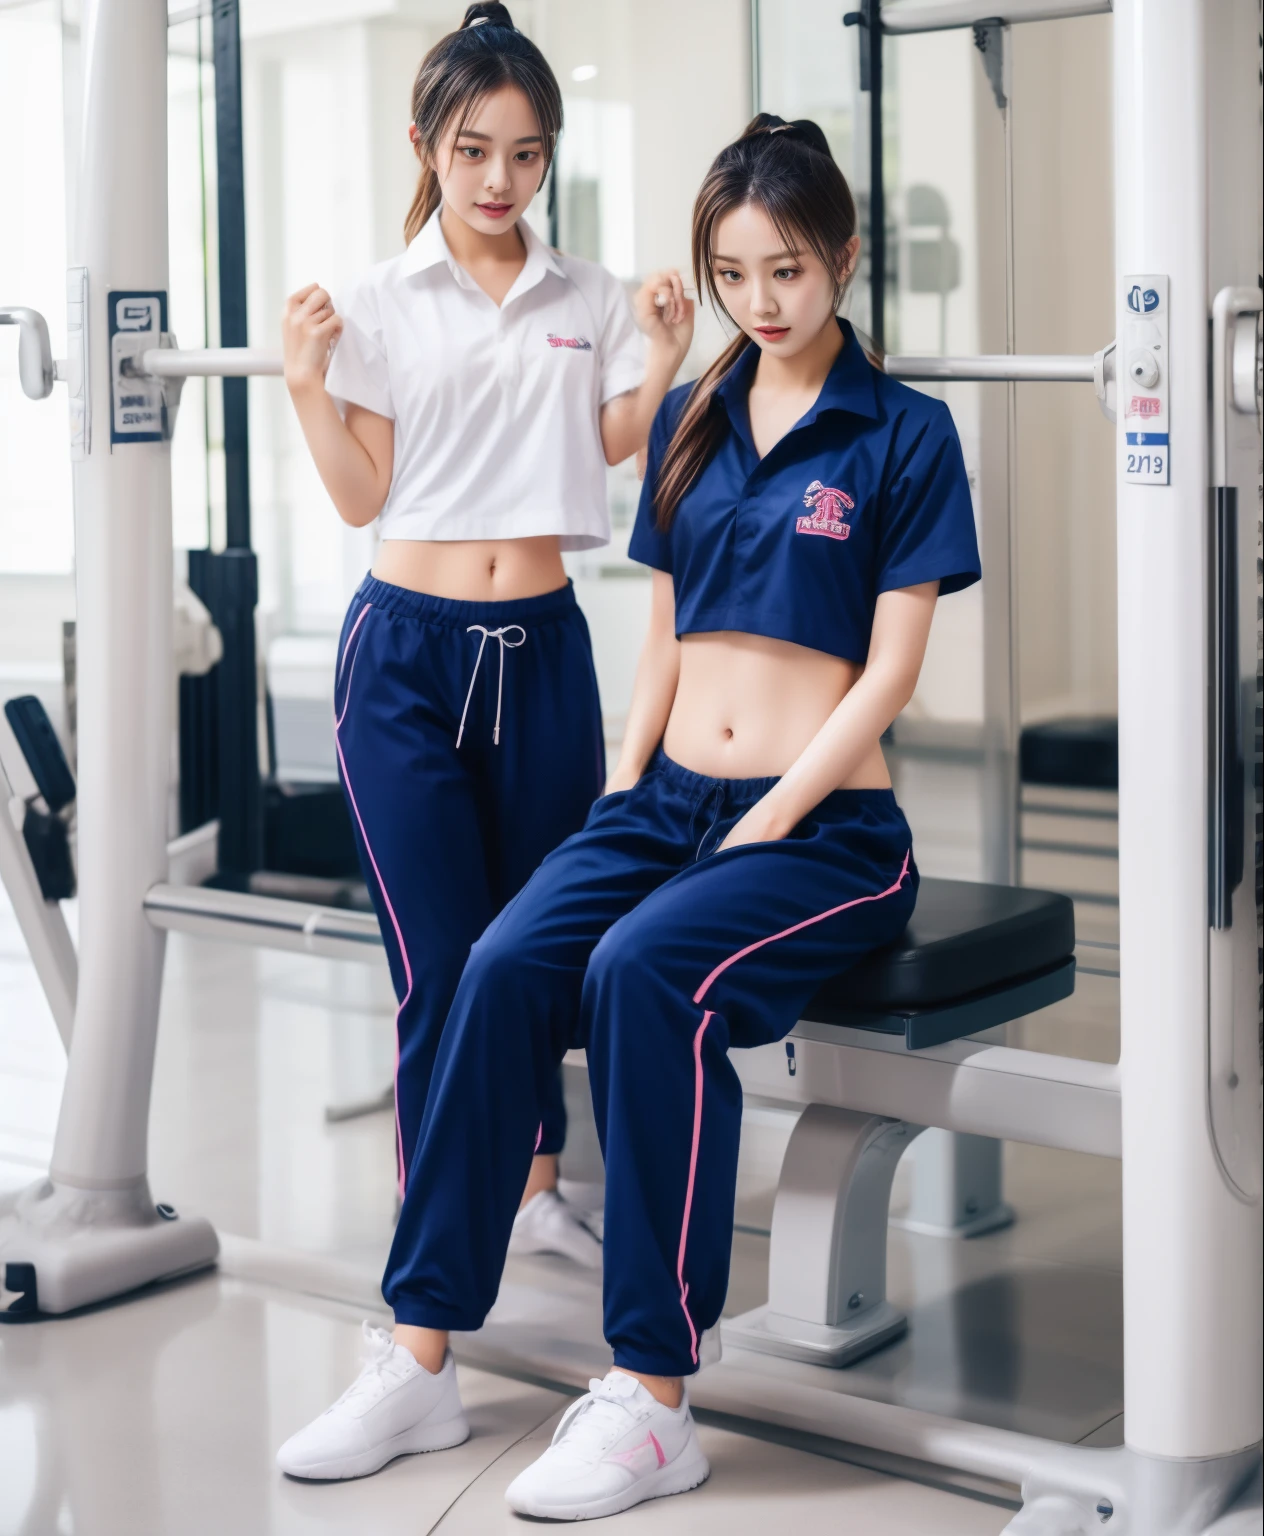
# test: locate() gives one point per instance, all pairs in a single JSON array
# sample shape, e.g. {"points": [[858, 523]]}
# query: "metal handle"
{"points": [[1225, 808], [35, 352]]}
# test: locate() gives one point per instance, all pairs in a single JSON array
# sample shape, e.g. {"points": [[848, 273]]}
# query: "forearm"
{"points": [[841, 746], [653, 693], [345, 467], [626, 420]]}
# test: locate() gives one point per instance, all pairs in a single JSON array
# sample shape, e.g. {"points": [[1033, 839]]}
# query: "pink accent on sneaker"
{"points": [[636, 1456], [697, 1072], [399, 936]]}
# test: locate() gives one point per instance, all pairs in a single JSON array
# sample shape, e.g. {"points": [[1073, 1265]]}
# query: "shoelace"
{"points": [[490, 634], [377, 1353], [595, 1422]]}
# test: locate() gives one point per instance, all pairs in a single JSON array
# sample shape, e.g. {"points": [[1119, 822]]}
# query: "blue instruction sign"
{"points": [[137, 408]]}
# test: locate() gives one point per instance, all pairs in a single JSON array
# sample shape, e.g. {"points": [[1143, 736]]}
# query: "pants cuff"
{"points": [[413, 1313], [653, 1365]]}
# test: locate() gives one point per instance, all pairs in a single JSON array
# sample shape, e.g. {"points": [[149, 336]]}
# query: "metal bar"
{"points": [[240, 362], [238, 917], [901, 17], [983, 1090], [1031, 368], [211, 363], [871, 39], [231, 220]]}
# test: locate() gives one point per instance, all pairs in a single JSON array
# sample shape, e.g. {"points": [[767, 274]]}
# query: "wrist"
{"points": [[303, 385]]}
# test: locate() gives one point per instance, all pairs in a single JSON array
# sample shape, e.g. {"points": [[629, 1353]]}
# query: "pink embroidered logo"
{"points": [[829, 508], [645, 1457], [575, 343]]}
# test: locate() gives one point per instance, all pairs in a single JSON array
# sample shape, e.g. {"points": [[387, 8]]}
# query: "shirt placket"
{"points": [[508, 367]]}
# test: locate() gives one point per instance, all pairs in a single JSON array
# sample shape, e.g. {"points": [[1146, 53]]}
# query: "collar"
{"points": [[428, 249], [849, 385]]}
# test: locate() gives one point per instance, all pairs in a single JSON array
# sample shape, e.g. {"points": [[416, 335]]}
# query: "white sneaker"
{"points": [[546, 1224], [613, 1449], [393, 1408]]}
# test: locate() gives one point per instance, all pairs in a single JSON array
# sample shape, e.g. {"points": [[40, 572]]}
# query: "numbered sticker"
{"points": [[1144, 384], [137, 410]]}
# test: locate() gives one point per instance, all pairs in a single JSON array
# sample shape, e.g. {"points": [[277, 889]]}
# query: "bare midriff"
{"points": [[473, 570], [746, 707]]}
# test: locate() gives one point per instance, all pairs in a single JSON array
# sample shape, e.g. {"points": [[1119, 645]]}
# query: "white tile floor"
{"points": [[159, 1415]]}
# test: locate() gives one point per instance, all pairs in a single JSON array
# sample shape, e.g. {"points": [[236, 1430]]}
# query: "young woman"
{"points": [[801, 513], [469, 394]]}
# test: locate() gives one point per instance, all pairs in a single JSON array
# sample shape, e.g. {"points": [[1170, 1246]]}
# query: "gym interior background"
{"points": [[1021, 1329]]}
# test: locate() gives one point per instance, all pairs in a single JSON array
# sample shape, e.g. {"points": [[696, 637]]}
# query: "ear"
{"points": [[414, 137], [847, 261]]}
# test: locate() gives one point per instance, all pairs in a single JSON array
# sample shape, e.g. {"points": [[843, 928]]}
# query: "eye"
{"points": [[526, 156], [470, 151], [729, 275], [787, 274]]}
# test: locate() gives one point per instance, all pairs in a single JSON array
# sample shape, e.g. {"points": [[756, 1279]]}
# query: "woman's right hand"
{"points": [[309, 329], [623, 777]]}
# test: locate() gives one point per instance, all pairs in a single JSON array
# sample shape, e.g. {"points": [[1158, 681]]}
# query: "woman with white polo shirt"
{"points": [[469, 394]]}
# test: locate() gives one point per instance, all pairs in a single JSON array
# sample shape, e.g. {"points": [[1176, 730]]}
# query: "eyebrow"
{"points": [[737, 262], [471, 133]]}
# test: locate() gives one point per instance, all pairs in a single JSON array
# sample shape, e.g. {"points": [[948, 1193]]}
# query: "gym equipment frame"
{"points": [[1182, 1107]]}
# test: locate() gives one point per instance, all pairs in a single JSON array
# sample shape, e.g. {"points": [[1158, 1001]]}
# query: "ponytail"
{"points": [[486, 53], [787, 170]]}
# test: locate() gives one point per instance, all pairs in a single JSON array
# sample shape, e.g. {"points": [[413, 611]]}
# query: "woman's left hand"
{"points": [[669, 323], [761, 824]]}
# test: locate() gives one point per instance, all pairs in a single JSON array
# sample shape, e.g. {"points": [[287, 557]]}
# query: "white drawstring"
{"points": [[490, 634]]}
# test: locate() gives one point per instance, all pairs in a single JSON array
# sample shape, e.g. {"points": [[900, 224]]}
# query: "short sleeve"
{"points": [[928, 521], [358, 373], [649, 545], [621, 347]]}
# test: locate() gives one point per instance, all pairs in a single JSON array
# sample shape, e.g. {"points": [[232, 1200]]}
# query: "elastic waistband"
{"points": [[747, 791], [459, 613]]}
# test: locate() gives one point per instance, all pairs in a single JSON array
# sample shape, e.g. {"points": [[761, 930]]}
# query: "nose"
{"points": [[764, 303], [497, 178]]}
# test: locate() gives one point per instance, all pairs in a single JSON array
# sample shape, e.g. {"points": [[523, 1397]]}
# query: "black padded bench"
{"points": [[972, 957]]}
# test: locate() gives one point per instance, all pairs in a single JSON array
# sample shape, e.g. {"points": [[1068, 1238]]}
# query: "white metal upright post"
{"points": [[1192, 1297], [91, 1229]]}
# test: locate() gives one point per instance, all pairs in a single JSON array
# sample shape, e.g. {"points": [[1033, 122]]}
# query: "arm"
{"points": [[901, 628], [655, 687], [354, 458], [626, 420]]}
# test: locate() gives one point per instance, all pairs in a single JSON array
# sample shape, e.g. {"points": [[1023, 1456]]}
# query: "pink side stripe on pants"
{"points": [[399, 937], [698, 1080]]}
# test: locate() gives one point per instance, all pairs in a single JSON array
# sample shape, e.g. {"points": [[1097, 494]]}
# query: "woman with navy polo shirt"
{"points": [[801, 514]]}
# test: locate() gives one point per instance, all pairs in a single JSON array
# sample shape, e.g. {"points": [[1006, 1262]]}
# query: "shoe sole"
{"points": [[680, 1477], [411, 1442]]}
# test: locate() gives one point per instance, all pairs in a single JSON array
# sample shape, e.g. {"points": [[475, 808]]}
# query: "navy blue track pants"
{"points": [[469, 744], [640, 942]]}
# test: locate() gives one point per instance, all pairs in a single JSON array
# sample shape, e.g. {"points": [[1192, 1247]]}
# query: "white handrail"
{"points": [[210, 362], [1003, 366], [905, 16]]}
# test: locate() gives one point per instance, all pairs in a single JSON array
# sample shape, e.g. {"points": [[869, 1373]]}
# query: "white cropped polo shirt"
{"points": [[497, 433]]}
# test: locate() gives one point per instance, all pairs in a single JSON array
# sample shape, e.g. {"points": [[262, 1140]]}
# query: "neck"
{"points": [[472, 248], [808, 369]]}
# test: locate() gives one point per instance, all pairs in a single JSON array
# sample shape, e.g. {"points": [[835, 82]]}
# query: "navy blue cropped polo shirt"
{"points": [[866, 493]]}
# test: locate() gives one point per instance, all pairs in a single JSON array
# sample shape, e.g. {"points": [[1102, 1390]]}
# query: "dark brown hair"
{"points": [[485, 54], [787, 170]]}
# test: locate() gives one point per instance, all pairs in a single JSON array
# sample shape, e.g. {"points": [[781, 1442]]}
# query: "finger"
{"points": [[296, 299], [316, 300], [327, 329]]}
